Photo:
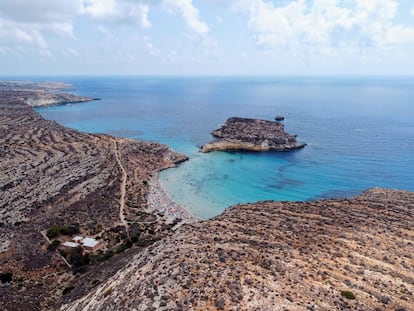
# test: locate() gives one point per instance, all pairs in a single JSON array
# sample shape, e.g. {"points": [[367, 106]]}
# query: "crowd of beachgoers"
{"points": [[158, 200]]}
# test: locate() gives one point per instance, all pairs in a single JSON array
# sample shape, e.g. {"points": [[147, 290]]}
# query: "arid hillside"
{"points": [[355, 254], [57, 183]]}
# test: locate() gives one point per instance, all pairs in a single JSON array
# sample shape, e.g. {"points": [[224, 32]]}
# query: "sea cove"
{"points": [[359, 133]]}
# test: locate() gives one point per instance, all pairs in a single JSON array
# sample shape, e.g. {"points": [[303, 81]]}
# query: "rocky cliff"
{"points": [[252, 135], [349, 254]]}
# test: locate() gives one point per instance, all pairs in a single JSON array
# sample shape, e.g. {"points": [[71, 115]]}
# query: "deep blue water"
{"points": [[359, 131]]}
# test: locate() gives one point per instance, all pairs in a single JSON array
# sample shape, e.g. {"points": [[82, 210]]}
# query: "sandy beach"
{"points": [[160, 202]]}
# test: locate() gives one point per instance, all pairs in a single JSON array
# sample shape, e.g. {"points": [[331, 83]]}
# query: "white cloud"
{"points": [[46, 53], [25, 23], [189, 13], [412, 12], [39, 11], [325, 26], [73, 52], [129, 11], [143, 16], [124, 11], [172, 56], [99, 8]]}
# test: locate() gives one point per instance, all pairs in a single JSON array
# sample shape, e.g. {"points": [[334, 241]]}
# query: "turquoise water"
{"points": [[359, 131]]}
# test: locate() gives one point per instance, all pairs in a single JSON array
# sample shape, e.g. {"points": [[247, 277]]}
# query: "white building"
{"points": [[70, 244]]}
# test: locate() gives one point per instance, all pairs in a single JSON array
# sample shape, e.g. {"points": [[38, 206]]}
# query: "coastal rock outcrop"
{"points": [[41, 94], [252, 135], [279, 118], [345, 254]]}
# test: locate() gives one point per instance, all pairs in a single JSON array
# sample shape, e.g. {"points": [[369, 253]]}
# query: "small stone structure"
{"points": [[89, 244]]}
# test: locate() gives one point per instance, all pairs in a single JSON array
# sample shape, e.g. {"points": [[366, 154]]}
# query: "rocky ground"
{"points": [[55, 176], [276, 256], [252, 135]]}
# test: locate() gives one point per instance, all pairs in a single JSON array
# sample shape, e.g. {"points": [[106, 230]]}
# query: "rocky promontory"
{"points": [[56, 183], [36, 94], [252, 135]]}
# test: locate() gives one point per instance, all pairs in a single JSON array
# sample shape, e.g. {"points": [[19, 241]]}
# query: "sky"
{"points": [[207, 37]]}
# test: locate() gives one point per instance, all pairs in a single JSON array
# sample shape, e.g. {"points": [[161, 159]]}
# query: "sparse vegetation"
{"points": [[65, 230], [54, 245], [53, 232], [6, 277], [101, 256], [348, 294], [67, 290], [77, 258]]}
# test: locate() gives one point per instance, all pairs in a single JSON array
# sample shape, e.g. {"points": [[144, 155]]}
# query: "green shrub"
{"points": [[120, 249], [101, 256], [69, 230], [68, 289], [145, 243], [348, 294], [77, 258], [6, 277], [65, 230], [54, 245], [53, 232]]}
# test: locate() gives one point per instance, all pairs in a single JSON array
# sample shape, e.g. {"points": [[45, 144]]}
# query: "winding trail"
{"points": [[123, 187]]}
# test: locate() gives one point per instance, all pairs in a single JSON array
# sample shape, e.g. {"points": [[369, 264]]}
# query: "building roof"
{"points": [[70, 244], [89, 242], [78, 238]]}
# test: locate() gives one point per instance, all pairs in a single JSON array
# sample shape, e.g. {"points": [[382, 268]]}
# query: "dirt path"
{"points": [[123, 187]]}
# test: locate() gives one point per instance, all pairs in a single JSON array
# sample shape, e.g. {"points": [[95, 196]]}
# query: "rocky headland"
{"points": [[345, 254], [40, 94], [252, 135], [56, 180]]}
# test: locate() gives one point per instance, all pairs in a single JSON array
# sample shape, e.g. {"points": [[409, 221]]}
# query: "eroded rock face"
{"points": [[252, 135], [276, 256], [52, 175]]}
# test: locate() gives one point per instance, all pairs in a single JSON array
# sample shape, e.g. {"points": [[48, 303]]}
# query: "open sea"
{"points": [[359, 131]]}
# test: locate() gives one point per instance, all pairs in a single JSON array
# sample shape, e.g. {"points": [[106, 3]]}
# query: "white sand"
{"points": [[159, 201]]}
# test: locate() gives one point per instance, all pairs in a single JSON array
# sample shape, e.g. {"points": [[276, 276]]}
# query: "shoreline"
{"points": [[160, 202]]}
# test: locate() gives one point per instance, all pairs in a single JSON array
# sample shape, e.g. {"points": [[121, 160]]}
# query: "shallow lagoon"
{"points": [[359, 131]]}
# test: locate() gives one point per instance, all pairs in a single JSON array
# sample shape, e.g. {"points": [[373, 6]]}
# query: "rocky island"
{"points": [[252, 135]]}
